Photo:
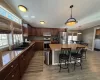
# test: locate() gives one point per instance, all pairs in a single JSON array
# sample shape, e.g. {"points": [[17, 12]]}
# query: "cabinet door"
{"points": [[61, 29], [33, 31], [29, 30], [38, 32], [39, 45], [54, 32], [22, 64], [14, 75], [8, 69], [25, 31], [98, 32]]}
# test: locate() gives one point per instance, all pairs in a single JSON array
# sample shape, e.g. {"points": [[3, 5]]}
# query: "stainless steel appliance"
{"points": [[63, 37], [46, 45], [97, 44], [47, 40]]}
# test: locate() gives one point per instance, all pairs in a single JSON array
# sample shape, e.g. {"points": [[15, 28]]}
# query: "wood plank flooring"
{"points": [[91, 70]]}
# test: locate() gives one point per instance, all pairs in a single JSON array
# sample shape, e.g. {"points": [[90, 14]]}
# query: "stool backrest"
{"points": [[66, 51], [80, 50]]}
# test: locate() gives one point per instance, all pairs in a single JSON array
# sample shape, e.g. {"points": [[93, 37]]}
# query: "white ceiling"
{"points": [[56, 12]]}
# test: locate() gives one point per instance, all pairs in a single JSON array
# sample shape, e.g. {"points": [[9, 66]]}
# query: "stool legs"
{"points": [[80, 63], [66, 65]]}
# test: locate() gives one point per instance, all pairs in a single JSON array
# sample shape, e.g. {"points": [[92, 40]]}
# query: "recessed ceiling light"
{"points": [[79, 33], [22, 8], [42, 22], [32, 16], [25, 15]]}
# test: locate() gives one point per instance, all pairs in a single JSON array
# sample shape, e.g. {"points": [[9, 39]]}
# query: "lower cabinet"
{"points": [[14, 75], [16, 69], [39, 45], [22, 64]]}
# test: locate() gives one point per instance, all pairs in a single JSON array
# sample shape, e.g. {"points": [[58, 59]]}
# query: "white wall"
{"points": [[88, 36]]}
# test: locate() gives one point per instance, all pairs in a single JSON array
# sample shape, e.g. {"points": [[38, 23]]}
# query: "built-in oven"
{"points": [[46, 45]]}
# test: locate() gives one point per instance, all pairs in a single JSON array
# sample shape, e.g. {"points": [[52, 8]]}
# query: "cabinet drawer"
{"points": [[6, 71], [14, 75]]}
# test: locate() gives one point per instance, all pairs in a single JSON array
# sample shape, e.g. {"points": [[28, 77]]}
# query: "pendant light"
{"points": [[71, 21]]}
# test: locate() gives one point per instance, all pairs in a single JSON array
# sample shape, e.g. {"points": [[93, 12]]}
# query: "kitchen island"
{"points": [[56, 48]]}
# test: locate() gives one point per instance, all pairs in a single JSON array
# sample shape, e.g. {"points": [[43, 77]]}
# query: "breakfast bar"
{"points": [[56, 50]]}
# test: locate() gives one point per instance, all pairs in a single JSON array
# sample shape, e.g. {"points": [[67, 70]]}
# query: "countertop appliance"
{"points": [[97, 44], [63, 37]]}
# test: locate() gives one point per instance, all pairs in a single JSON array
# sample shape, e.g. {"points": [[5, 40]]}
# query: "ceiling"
{"points": [[56, 12]]}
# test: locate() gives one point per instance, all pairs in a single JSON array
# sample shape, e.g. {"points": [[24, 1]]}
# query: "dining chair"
{"points": [[77, 56], [64, 57]]}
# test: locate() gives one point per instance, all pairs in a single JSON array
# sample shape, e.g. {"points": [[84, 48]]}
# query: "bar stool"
{"points": [[64, 57], [77, 56]]}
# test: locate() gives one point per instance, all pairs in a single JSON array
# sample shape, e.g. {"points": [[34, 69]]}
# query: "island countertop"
{"points": [[59, 46], [7, 57], [56, 48]]}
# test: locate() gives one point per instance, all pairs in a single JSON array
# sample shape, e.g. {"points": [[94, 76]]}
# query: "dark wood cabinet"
{"points": [[61, 29], [98, 32], [33, 31], [29, 30], [25, 58], [39, 45], [25, 31], [22, 64], [39, 31], [55, 32], [14, 75], [16, 69], [8, 69]]}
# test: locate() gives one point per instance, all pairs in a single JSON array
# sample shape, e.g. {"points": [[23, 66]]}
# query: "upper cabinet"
{"points": [[98, 32], [31, 31], [28, 30], [38, 32]]}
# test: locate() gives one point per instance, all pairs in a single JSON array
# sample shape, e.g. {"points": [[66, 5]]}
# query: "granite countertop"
{"points": [[8, 56]]}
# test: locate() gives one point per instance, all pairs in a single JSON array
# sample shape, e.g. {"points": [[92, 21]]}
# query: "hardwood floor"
{"points": [[91, 71]]}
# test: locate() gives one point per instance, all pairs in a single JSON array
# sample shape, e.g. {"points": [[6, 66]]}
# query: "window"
{"points": [[3, 40], [69, 38], [72, 37], [4, 12], [18, 38], [75, 38]]}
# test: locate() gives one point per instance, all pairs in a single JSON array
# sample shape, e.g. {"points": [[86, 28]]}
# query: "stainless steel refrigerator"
{"points": [[63, 37]]}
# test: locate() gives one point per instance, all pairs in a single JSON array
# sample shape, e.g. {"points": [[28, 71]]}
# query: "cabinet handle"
{"points": [[12, 66], [12, 76]]}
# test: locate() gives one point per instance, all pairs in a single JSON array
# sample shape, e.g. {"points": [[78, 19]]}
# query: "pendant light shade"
{"points": [[71, 21]]}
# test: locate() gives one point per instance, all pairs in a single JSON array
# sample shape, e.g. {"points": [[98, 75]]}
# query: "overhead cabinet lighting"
{"points": [[22, 8]]}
